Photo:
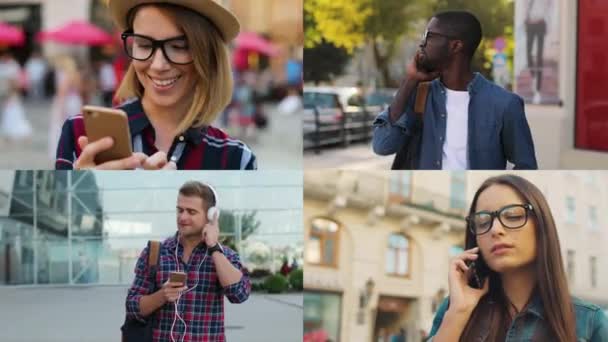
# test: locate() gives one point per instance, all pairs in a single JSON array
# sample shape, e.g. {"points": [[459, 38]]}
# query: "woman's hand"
{"points": [[86, 160], [158, 161], [464, 298]]}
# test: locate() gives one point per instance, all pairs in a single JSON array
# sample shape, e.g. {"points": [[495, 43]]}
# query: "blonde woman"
{"points": [[179, 80]]}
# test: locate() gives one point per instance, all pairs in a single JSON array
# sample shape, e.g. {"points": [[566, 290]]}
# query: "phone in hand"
{"points": [[177, 277], [101, 122], [478, 273]]}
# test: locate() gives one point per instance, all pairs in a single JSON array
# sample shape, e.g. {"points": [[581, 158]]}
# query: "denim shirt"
{"points": [[497, 128], [529, 325]]}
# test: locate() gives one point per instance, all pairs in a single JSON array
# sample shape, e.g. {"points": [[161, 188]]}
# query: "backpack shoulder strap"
{"points": [[153, 256], [154, 253], [421, 96]]}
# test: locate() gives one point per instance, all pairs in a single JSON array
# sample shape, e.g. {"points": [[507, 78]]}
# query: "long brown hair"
{"points": [[213, 89], [551, 287]]}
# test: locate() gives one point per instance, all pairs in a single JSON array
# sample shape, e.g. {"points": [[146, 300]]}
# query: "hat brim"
{"points": [[222, 18]]}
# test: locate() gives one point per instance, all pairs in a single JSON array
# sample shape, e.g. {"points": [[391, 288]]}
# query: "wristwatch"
{"points": [[216, 248]]}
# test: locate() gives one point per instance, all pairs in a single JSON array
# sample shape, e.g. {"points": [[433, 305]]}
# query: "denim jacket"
{"points": [[497, 128], [529, 325]]}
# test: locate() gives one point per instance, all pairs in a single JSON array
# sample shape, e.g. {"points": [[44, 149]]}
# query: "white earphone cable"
{"points": [[177, 315]]}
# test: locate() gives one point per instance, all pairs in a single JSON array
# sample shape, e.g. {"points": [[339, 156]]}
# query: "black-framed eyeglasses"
{"points": [[512, 216], [429, 34], [139, 47]]}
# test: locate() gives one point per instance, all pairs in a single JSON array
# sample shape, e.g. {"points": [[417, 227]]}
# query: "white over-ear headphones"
{"points": [[213, 209]]}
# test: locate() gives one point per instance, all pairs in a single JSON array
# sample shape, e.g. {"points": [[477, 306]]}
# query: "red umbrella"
{"points": [[11, 35], [251, 41], [78, 32]]}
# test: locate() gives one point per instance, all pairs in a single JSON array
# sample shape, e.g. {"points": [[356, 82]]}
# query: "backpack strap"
{"points": [[421, 95], [154, 253], [153, 256]]}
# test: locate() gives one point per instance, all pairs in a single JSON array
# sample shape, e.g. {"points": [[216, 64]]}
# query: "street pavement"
{"points": [[277, 147], [95, 314], [356, 156]]}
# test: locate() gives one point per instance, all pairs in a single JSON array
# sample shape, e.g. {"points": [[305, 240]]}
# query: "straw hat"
{"points": [[220, 16]]}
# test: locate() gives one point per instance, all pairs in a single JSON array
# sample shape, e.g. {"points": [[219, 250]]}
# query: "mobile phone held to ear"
{"points": [[101, 122], [177, 277], [478, 274]]}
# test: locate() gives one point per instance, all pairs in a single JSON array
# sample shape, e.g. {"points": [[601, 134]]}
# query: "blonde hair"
{"points": [[213, 88]]}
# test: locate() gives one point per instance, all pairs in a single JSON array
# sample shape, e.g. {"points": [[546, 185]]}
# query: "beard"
{"points": [[431, 64], [190, 232]]}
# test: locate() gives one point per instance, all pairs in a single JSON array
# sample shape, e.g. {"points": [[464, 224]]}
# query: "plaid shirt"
{"points": [[207, 148], [530, 326], [202, 308]]}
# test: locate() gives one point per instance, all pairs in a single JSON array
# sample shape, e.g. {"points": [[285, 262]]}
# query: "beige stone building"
{"points": [[378, 244]]}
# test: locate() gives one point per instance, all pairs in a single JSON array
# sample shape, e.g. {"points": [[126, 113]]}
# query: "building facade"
{"points": [[378, 245], [72, 228]]}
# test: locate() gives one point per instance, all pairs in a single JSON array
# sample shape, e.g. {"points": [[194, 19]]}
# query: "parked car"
{"points": [[334, 115]]}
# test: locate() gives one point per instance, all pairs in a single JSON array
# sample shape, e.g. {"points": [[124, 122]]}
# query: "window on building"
{"points": [[570, 210], [593, 266], [400, 186], [570, 265], [458, 190], [397, 255], [593, 224], [322, 245]]}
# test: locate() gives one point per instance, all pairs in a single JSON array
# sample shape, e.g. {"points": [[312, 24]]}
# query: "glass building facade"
{"points": [[59, 227]]}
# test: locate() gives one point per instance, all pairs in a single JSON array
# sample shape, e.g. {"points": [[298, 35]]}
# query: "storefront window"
{"points": [[322, 315]]}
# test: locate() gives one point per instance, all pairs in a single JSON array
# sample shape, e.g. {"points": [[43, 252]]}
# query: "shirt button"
{"points": [[443, 115], [437, 163], [440, 138], [181, 138]]}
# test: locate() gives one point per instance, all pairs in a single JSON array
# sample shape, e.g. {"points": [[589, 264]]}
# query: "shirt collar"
{"points": [[536, 305], [474, 85], [173, 241], [138, 122]]}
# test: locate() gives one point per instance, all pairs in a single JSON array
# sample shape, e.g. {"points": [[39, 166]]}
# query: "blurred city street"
{"points": [[286, 129], [95, 314], [360, 155], [356, 156]]}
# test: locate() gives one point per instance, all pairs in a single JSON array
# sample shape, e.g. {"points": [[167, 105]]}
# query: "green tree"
{"points": [[323, 60], [228, 224], [352, 23], [496, 19]]}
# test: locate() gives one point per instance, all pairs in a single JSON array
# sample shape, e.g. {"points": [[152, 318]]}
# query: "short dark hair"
{"points": [[198, 189], [462, 25]]}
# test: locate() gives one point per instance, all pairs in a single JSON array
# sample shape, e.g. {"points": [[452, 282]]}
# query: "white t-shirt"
{"points": [[457, 127]]}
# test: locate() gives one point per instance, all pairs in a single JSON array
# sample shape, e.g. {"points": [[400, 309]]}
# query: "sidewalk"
{"points": [[95, 314], [356, 156], [277, 147]]}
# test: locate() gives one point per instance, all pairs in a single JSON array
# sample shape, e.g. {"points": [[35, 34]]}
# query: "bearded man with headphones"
{"points": [[193, 274]]}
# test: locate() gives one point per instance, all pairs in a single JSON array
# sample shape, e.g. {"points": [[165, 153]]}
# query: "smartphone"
{"points": [[177, 277], [101, 122], [478, 273]]}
